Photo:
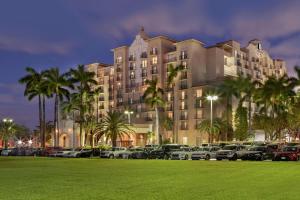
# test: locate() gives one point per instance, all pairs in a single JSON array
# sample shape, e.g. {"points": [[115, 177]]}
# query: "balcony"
{"points": [[131, 58], [183, 57], [132, 76], [101, 98], [154, 71], [119, 69], [169, 108], [183, 86], [171, 59], [183, 76], [101, 107], [144, 75], [144, 55], [148, 119], [183, 117], [153, 51], [131, 67], [183, 107], [183, 127]]}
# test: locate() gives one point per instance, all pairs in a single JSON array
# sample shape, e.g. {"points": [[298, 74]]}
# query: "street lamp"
{"points": [[211, 98], [7, 125], [128, 113]]}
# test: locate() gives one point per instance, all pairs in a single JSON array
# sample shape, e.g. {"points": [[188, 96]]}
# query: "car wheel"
{"points": [[111, 156], [234, 158], [207, 157], [219, 159], [186, 157], [166, 157]]}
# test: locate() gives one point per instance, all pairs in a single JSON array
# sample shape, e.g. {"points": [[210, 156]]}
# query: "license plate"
{"points": [[283, 158]]}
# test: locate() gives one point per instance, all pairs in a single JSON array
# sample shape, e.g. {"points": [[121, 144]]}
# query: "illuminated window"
{"points": [[185, 140], [199, 93], [144, 63], [119, 59], [182, 95], [170, 115], [154, 60]]}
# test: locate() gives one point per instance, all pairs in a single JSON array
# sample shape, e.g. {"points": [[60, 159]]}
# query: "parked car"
{"points": [[31, 151], [6, 152], [112, 152], [164, 151], [49, 150], [184, 153], [128, 153], [205, 153], [79, 153], [288, 153], [257, 153], [61, 153], [141, 154], [230, 152]]}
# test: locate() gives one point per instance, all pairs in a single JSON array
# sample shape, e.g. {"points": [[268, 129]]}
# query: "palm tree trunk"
{"points": [[157, 126], [56, 134], [74, 135], [249, 116], [227, 118], [40, 120], [81, 119], [97, 111], [44, 123], [175, 138]]}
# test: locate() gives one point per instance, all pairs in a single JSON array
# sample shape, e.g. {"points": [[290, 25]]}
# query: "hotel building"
{"points": [[123, 83]]}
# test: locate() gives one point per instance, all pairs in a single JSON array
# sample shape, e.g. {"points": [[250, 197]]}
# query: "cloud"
{"points": [[34, 46], [274, 21]]}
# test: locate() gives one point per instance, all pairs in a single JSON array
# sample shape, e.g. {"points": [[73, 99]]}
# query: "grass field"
{"points": [[87, 179]]}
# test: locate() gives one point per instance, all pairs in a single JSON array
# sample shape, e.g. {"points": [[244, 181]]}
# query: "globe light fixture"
{"points": [[128, 113]]}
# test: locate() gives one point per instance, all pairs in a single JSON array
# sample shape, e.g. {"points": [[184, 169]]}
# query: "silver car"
{"points": [[112, 152], [205, 153]]}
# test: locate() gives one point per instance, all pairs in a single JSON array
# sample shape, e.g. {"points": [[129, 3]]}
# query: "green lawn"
{"points": [[72, 179]]}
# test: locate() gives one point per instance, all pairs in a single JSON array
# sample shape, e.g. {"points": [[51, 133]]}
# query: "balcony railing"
{"points": [[183, 86], [182, 57], [154, 71], [101, 98], [131, 58], [183, 117], [184, 127], [153, 52], [144, 55], [183, 107], [183, 76]]}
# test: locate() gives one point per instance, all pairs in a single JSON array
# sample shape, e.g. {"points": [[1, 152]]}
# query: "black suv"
{"points": [[258, 153], [164, 151]]}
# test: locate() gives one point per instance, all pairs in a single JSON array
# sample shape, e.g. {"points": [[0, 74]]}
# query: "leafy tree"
{"points": [[241, 124]]}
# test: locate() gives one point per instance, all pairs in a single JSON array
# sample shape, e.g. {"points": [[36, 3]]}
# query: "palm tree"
{"points": [[84, 80], [35, 87], [227, 90], [114, 126], [213, 129], [7, 129], [171, 79], [57, 84], [153, 97], [71, 107]]}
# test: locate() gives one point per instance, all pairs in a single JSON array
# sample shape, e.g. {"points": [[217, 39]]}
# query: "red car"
{"points": [[288, 153]]}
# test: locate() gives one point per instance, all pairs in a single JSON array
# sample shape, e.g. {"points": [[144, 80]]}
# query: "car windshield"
{"points": [[290, 149], [230, 147], [204, 149], [255, 149]]}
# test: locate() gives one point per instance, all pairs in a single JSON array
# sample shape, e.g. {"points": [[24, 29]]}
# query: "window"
{"points": [[183, 95], [170, 115], [119, 59], [169, 96], [154, 60], [199, 114], [199, 93], [184, 140], [144, 63]]}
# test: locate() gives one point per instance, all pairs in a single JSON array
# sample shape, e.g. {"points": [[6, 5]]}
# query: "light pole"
{"points": [[128, 113], [8, 125], [211, 98]]}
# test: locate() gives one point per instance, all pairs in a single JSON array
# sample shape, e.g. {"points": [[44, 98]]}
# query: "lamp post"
{"points": [[8, 125], [211, 98], [128, 113]]}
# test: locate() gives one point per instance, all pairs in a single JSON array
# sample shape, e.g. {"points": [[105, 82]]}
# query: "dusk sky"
{"points": [[65, 33]]}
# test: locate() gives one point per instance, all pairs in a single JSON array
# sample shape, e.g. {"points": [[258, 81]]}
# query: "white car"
{"points": [[184, 153], [112, 152], [205, 153], [60, 153]]}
